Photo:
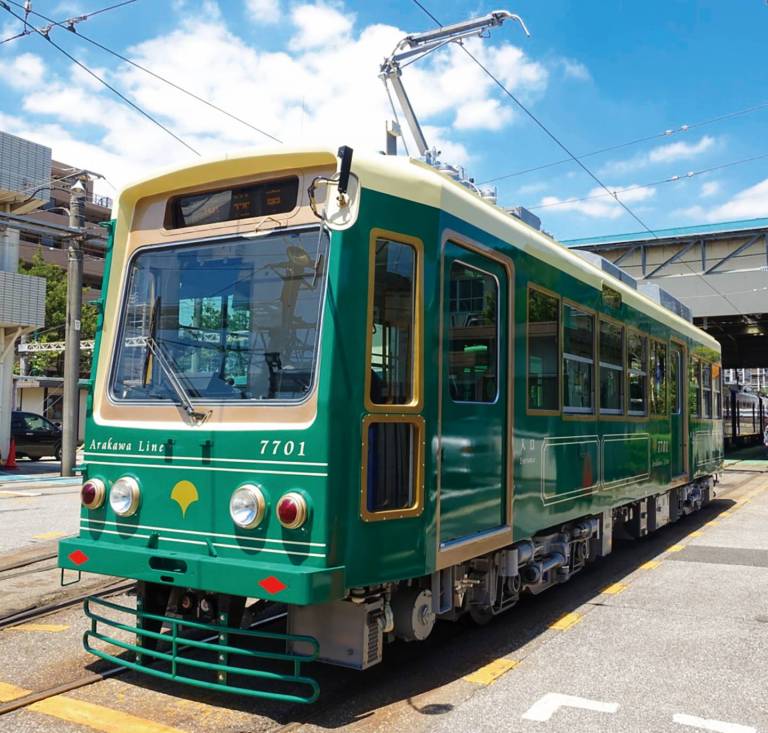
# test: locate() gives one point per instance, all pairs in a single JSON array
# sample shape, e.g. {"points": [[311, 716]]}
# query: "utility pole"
{"points": [[71, 414]]}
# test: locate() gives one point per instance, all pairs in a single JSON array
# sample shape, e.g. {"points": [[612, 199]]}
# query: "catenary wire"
{"points": [[68, 23], [671, 179], [637, 141], [104, 82], [544, 128], [157, 76]]}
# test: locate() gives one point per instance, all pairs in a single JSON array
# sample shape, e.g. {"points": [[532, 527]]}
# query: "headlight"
{"points": [[292, 510], [92, 494], [247, 506], [124, 496]]}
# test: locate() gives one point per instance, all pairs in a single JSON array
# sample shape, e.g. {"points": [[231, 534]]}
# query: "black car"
{"points": [[35, 436]]}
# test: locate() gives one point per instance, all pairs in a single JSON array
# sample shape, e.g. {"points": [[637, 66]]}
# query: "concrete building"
{"points": [[719, 271]]}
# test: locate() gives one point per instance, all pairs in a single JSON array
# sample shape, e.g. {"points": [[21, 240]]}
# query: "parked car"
{"points": [[35, 436]]}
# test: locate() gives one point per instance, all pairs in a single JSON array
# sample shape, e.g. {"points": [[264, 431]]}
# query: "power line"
{"points": [[545, 129], [671, 179], [159, 77], [68, 23], [119, 94], [636, 141]]}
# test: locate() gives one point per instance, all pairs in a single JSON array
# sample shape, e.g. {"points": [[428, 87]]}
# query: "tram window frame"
{"points": [[452, 336], [611, 366], [717, 391], [413, 404], [659, 404], [694, 387], [706, 390], [569, 358], [554, 387], [633, 373]]}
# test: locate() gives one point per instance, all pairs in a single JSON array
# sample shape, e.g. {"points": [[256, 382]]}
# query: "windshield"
{"points": [[234, 320]]}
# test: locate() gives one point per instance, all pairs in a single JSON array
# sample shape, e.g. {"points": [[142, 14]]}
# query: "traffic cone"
{"points": [[11, 462]]}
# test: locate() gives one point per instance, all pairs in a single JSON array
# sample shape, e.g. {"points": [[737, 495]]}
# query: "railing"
{"points": [[180, 652]]}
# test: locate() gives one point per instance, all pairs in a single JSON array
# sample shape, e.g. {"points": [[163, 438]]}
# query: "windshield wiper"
{"points": [[165, 365]]}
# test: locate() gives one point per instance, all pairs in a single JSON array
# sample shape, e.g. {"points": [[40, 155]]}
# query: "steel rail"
{"points": [[90, 679]]}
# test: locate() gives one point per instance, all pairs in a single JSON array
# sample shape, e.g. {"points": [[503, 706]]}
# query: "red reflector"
{"points": [[78, 557], [272, 585], [287, 511]]}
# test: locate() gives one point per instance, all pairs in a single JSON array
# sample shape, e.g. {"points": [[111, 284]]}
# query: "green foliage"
{"points": [[56, 318]]}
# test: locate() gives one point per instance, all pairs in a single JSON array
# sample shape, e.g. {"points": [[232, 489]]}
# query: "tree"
{"points": [[56, 317]]}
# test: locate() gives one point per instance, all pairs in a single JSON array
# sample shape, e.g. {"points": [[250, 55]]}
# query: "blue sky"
{"points": [[596, 73]]}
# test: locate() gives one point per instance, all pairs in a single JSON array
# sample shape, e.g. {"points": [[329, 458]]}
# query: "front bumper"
{"points": [[189, 651], [240, 577]]}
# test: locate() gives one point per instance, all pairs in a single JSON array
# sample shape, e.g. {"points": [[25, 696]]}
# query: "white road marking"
{"points": [[545, 707], [20, 493], [718, 726]]}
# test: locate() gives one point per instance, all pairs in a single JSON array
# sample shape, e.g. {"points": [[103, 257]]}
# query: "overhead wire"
{"points": [[115, 91], [544, 128], [670, 179], [67, 23], [666, 134], [161, 78]]}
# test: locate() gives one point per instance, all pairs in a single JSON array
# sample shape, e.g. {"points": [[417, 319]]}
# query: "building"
{"points": [[719, 271]]}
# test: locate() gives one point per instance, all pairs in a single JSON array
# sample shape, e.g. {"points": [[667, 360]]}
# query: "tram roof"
{"points": [[405, 177]]}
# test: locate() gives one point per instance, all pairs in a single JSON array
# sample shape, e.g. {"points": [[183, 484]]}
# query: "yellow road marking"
{"points": [[49, 536], [710, 522], [86, 713], [51, 628], [614, 589], [492, 671], [650, 565], [97, 716], [11, 692], [675, 548], [565, 622], [695, 534]]}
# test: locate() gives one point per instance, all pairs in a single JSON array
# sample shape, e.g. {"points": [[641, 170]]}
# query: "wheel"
{"points": [[481, 615], [57, 452]]}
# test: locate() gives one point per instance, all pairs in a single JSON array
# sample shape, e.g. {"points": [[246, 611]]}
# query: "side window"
{"points": [[717, 376], [578, 359], [658, 378], [694, 393], [637, 353], [706, 390], [34, 422], [543, 351], [472, 335], [392, 324], [611, 368]]}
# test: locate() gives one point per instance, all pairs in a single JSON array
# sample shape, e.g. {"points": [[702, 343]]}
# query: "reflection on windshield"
{"points": [[235, 320]]}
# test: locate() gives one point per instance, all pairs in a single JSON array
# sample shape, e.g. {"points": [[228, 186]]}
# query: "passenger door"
{"points": [[473, 430], [679, 404]]}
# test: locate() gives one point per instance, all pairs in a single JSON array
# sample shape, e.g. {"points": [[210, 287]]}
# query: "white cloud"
{"points": [[25, 72], [710, 188], [320, 25], [319, 91], [749, 203], [668, 153], [575, 70], [263, 11], [484, 114], [602, 206], [530, 188]]}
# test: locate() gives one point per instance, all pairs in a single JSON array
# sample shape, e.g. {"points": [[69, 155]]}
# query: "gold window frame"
{"points": [[415, 405], [646, 362], [665, 391], [417, 467], [568, 413], [528, 409], [622, 414]]}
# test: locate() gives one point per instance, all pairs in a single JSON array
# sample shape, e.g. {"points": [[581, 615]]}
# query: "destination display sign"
{"points": [[243, 202]]}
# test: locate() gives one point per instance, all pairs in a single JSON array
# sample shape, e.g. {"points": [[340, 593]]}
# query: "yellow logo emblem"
{"points": [[184, 493]]}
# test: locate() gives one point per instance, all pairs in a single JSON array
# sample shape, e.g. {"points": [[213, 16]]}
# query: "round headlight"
{"points": [[92, 494], [292, 510], [124, 496], [247, 506]]}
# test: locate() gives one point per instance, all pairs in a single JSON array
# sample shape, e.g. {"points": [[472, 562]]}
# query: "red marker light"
{"points": [[92, 493], [292, 510]]}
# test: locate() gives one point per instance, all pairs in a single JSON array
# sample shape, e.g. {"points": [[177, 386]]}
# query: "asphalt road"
{"points": [[666, 634]]}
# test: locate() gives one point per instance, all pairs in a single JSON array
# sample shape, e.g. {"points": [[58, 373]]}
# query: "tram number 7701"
{"points": [[281, 447]]}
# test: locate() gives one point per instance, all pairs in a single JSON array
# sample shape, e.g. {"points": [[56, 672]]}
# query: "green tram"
{"points": [[352, 386]]}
